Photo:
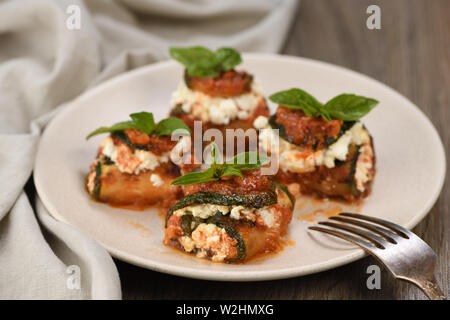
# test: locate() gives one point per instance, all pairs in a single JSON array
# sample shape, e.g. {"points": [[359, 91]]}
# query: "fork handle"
{"points": [[431, 289]]}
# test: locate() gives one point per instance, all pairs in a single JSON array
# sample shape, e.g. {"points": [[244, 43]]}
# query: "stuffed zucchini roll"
{"points": [[228, 218], [214, 92], [323, 148], [134, 166]]}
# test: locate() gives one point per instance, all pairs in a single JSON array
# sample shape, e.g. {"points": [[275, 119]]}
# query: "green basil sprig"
{"points": [[350, 107], [144, 122], [204, 63], [347, 107], [233, 167]]}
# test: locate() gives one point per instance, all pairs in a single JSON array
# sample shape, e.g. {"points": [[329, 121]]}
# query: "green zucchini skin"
{"points": [[286, 192], [353, 190], [97, 181], [122, 136], [253, 200], [281, 130], [186, 223], [177, 111], [347, 125], [229, 226], [101, 163]]}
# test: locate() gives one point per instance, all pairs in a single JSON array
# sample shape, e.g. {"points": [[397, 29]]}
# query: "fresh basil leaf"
{"points": [[198, 61], [347, 107], [143, 121], [115, 127], [247, 161], [204, 63], [217, 169], [299, 99], [169, 125], [350, 107], [195, 178], [228, 58], [203, 70], [231, 171], [192, 55]]}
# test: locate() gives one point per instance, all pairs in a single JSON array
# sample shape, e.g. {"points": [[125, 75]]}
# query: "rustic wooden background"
{"points": [[411, 53]]}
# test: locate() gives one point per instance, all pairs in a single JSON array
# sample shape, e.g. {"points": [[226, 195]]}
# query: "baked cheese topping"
{"points": [[264, 216], [296, 159], [136, 161], [130, 161], [216, 109]]}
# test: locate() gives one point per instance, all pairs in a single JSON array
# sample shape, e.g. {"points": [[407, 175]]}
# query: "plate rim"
{"points": [[351, 256]]}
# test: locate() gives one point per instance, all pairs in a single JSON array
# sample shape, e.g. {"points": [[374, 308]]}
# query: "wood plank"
{"points": [[411, 53]]}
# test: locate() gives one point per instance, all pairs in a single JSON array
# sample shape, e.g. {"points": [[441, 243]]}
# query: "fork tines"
{"points": [[404, 254], [369, 235]]}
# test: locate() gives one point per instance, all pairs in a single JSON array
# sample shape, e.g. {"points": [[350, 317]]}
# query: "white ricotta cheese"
{"points": [[261, 122], [156, 180], [339, 150], [187, 243], [215, 109], [130, 161], [295, 159], [222, 111], [267, 217], [205, 211], [208, 237]]}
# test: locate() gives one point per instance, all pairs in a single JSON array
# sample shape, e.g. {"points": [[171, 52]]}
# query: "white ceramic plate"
{"points": [[410, 168]]}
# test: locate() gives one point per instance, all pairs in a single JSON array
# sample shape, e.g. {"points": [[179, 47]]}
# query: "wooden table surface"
{"points": [[411, 53]]}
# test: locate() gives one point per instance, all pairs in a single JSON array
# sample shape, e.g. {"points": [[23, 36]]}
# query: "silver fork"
{"points": [[403, 253]]}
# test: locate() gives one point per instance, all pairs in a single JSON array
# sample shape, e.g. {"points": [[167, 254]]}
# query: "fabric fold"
{"points": [[44, 64]]}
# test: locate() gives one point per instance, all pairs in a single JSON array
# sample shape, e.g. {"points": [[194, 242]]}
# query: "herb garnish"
{"points": [[144, 122], [204, 63], [347, 107], [241, 162]]}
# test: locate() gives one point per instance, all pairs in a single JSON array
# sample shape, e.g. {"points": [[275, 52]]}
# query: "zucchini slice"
{"points": [[347, 125], [134, 190], [190, 223], [328, 140], [97, 182], [253, 200], [353, 190], [281, 130], [230, 227], [337, 182], [285, 198]]}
